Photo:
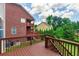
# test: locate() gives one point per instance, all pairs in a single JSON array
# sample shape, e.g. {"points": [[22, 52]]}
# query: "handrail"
{"points": [[10, 38], [67, 41], [64, 47]]}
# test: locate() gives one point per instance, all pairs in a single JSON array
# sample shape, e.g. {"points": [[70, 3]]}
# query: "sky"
{"points": [[42, 10]]}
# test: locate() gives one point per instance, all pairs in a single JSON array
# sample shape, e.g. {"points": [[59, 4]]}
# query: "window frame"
{"points": [[13, 30]]}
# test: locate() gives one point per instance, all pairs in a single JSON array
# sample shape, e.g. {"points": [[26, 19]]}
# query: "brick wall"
{"points": [[14, 13]]}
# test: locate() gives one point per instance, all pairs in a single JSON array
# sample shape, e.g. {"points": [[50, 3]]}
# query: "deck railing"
{"points": [[11, 44], [64, 47]]}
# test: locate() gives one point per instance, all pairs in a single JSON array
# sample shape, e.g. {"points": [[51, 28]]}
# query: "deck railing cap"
{"points": [[62, 40]]}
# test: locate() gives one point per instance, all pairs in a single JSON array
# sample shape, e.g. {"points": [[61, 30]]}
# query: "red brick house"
{"points": [[19, 19], [15, 21]]}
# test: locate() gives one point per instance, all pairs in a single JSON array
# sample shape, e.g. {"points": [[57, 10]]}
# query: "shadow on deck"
{"points": [[37, 49]]}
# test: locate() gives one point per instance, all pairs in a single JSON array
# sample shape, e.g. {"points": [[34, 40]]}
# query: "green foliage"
{"points": [[48, 19], [41, 32], [62, 27], [68, 31], [35, 28], [59, 32], [77, 24]]}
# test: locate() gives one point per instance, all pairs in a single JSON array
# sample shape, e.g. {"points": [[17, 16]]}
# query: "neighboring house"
{"points": [[43, 26], [15, 21]]}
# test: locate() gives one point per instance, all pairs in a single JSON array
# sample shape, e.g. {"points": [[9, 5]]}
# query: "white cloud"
{"points": [[74, 6], [67, 15], [43, 20], [36, 23], [34, 10], [45, 14], [45, 9]]}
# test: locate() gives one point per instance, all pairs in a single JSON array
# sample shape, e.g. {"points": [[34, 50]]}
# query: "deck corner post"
{"points": [[46, 42]]}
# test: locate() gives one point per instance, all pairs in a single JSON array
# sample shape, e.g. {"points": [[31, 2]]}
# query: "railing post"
{"points": [[42, 36], [3, 46], [46, 42], [31, 40]]}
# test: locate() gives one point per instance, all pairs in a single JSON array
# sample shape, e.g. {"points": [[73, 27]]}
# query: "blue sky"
{"points": [[41, 11]]}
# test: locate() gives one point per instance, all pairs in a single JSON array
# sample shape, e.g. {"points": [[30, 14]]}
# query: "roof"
{"points": [[22, 9], [43, 23]]}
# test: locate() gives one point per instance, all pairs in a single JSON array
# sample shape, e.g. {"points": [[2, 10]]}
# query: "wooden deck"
{"points": [[33, 50]]}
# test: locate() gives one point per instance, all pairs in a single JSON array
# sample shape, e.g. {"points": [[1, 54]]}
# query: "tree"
{"points": [[66, 21], [49, 19], [68, 30], [54, 21], [62, 27], [59, 32], [77, 24]]}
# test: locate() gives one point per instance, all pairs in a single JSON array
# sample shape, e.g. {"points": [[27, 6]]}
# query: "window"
{"points": [[1, 33], [13, 30], [23, 20], [1, 27]]}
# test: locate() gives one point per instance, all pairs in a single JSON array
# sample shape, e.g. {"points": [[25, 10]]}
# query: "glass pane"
{"points": [[0, 27], [13, 30], [1, 33]]}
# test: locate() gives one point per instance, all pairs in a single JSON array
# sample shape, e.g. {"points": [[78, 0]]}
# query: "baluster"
{"points": [[6, 46], [71, 48], [74, 50], [78, 51], [68, 49], [57, 45], [62, 48], [65, 49]]}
